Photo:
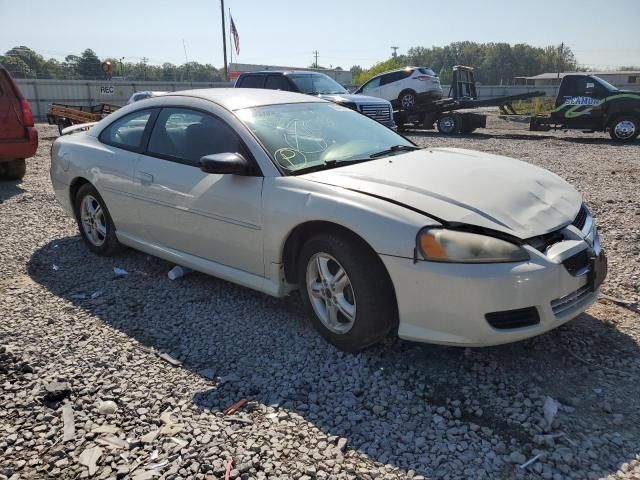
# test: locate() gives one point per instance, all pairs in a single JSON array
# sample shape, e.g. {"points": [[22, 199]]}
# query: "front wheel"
{"points": [[347, 291], [624, 128], [94, 221]]}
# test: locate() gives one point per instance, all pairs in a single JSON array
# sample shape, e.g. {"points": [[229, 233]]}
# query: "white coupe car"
{"points": [[277, 190]]}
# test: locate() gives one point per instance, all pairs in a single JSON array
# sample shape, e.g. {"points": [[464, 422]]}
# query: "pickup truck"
{"points": [[320, 85], [591, 104]]}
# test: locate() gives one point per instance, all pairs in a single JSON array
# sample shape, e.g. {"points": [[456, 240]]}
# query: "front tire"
{"points": [[347, 291], [624, 128], [13, 170], [94, 221]]}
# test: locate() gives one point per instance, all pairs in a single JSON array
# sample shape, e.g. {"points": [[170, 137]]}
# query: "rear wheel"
{"points": [[347, 291], [94, 221], [449, 123], [13, 170], [408, 100], [624, 128]]}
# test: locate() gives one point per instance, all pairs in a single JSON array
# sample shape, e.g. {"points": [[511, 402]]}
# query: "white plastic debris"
{"points": [[55, 267], [550, 409], [177, 272], [120, 272], [96, 294]]}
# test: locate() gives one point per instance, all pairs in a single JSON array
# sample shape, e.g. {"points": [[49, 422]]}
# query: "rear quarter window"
{"points": [[127, 132], [251, 81]]}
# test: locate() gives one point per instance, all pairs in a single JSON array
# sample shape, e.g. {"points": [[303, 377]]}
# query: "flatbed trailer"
{"points": [[66, 115], [452, 115]]}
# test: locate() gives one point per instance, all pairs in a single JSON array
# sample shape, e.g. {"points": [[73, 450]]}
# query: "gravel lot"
{"points": [[90, 379]]}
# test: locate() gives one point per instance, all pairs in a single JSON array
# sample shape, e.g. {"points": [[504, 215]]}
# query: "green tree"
{"points": [[89, 65], [376, 69]]}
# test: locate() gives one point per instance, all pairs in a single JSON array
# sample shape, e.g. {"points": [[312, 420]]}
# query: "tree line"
{"points": [[22, 62], [494, 63]]}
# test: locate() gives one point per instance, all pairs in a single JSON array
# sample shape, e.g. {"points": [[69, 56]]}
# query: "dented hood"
{"points": [[458, 185]]}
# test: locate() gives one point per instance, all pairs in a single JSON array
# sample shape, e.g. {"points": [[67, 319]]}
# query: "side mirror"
{"points": [[225, 163]]}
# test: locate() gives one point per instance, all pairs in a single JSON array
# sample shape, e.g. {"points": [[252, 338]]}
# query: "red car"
{"points": [[18, 135]]}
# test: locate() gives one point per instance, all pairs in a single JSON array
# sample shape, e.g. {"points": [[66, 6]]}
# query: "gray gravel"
{"points": [[128, 376]]}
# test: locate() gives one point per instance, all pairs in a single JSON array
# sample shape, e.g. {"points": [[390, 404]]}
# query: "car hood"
{"points": [[349, 97], [457, 185]]}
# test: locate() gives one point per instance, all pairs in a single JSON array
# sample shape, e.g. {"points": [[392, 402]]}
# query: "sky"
{"points": [[604, 35]]}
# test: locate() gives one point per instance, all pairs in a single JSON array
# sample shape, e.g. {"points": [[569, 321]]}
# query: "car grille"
{"points": [[543, 242], [508, 319], [381, 113], [581, 218], [578, 263], [573, 301]]}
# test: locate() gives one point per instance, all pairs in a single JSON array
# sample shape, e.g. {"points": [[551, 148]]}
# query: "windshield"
{"points": [[427, 71], [319, 135], [606, 84], [316, 83]]}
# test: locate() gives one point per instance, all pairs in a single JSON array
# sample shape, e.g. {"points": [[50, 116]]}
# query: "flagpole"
{"points": [[230, 39], [224, 42]]}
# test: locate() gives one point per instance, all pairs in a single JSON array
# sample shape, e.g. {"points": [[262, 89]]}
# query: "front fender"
{"points": [[388, 228]]}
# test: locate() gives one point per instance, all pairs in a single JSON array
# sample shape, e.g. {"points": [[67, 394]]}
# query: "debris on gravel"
{"points": [[72, 356]]}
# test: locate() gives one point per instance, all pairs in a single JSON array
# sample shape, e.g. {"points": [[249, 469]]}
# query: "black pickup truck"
{"points": [[589, 103]]}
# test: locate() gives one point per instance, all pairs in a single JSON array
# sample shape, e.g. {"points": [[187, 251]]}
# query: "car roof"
{"points": [[283, 72], [237, 98]]}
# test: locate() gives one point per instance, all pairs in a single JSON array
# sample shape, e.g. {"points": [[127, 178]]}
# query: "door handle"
{"points": [[144, 178]]}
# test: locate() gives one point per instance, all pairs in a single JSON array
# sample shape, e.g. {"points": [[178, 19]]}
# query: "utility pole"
{"points": [[144, 67], [224, 42], [560, 59], [395, 50], [315, 53]]}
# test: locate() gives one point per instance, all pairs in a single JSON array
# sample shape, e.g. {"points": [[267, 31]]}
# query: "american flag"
{"points": [[236, 37]]}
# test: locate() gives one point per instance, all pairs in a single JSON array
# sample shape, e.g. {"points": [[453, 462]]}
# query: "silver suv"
{"points": [[321, 85], [405, 87]]}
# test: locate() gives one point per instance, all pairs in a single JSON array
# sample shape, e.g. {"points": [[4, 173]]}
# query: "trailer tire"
{"points": [[63, 123], [624, 128], [449, 123]]}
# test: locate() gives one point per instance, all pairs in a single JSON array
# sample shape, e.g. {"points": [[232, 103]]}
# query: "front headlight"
{"points": [[443, 245]]}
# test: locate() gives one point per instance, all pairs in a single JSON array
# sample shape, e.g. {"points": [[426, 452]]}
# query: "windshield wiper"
{"points": [[325, 165], [393, 149]]}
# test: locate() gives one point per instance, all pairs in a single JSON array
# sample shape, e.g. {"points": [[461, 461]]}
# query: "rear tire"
{"points": [[347, 291], [13, 169], [449, 123], [94, 221], [407, 100], [624, 128]]}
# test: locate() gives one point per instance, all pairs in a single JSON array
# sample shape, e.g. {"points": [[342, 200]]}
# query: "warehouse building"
{"points": [[625, 80]]}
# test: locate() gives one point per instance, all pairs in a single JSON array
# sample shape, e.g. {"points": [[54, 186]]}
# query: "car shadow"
{"points": [[10, 188], [400, 403]]}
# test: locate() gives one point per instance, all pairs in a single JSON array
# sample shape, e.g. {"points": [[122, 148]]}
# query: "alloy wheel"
{"points": [[407, 101], [331, 293], [94, 222], [625, 129]]}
